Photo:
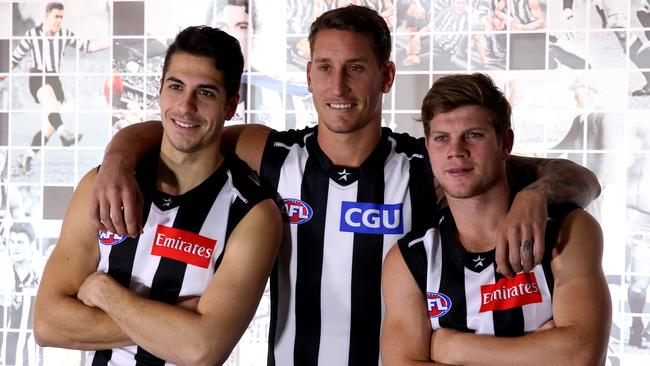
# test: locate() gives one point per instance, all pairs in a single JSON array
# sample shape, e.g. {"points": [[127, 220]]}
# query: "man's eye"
{"points": [[356, 68]]}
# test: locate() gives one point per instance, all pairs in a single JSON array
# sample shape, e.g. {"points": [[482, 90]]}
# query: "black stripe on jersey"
{"points": [[242, 181], [452, 273], [415, 257], [120, 266], [556, 214], [269, 174], [102, 357], [310, 265], [367, 257], [507, 323]]}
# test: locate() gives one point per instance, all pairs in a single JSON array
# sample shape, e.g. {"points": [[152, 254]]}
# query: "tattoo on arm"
{"points": [[558, 179]]}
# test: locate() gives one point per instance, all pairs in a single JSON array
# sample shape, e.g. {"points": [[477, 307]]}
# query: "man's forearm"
{"points": [[559, 180], [557, 346], [68, 323], [133, 142]]}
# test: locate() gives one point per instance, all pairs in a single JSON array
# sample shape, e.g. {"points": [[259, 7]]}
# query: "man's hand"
{"points": [[116, 204], [520, 236], [441, 345], [93, 286]]}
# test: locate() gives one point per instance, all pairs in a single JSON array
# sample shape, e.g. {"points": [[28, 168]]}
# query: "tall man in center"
{"points": [[350, 189]]}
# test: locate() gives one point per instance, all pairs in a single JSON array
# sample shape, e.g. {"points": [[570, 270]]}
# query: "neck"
{"points": [[179, 172], [22, 268], [349, 149], [478, 217]]}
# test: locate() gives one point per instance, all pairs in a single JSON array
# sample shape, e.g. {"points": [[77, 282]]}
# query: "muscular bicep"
{"points": [[581, 297], [406, 333], [76, 253]]}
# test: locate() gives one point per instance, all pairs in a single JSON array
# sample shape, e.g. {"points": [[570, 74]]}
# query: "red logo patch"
{"points": [[183, 246], [510, 293]]}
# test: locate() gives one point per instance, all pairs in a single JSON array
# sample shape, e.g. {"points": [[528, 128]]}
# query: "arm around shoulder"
{"points": [[558, 180], [116, 199], [247, 141]]}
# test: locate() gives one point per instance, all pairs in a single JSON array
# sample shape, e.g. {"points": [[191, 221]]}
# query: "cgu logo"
{"points": [[371, 218], [296, 211], [109, 238], [438, 304]]}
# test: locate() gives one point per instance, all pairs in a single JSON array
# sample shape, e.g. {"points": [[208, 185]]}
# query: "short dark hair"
{"points": [[355, 18], [24, 227], [454, 91], [215, 44], [50, 6]]}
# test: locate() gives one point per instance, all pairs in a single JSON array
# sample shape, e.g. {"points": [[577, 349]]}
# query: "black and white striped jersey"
{"points": [[463, 291], [182, 245], [16, 316], [325, 290], [522, 11], [452, 28], [46, 51]]}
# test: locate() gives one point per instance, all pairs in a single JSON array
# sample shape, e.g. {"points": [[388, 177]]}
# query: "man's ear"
{"points": [[309, 76], [389, 76], [231, 107], [507, 143]]}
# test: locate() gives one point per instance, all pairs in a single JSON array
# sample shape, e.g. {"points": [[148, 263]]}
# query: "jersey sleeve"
{"points": [[412, 248]]}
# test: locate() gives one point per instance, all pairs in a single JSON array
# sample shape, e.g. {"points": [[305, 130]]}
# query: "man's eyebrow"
{"points": [[327, 59], [200, 86]]}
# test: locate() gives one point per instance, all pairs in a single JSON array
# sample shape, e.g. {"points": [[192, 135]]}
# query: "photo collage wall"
{"points": [[577, 73]]}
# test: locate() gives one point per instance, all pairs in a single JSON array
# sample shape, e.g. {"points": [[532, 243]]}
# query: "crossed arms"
{"points": [[581, 313], [77, 307]]}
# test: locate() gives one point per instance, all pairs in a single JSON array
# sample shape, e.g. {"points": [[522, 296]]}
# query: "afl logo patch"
{"points": [[296, 211], [108, 238], [438, 304]]}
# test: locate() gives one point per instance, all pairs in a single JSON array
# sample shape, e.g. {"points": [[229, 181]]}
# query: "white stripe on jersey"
{"points": [[336, 287], [434, 265], [533, 316], [482, 322], [289, 187]]}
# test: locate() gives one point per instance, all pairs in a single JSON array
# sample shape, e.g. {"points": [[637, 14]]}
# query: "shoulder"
{"points": [[405, 143], [579, 235], [290, 137], [246, 181]]}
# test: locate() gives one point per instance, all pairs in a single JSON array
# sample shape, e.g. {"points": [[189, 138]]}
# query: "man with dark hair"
{"points": [[19, 347], [445, 302], [185, 289], [350, 188], [46, 43]]}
